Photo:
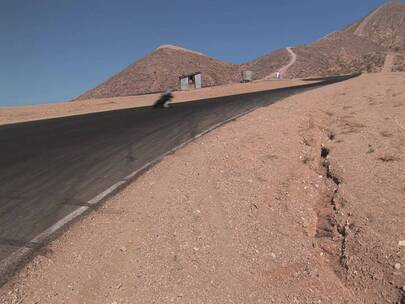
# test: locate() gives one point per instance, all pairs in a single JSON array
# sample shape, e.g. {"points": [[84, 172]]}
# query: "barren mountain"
{"points": [[339, 52], [360, 47], [384, 26], [161, 69], [268, 64]]}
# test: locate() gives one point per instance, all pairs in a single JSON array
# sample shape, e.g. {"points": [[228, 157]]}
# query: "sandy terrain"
{"points": [[299, 202], [35, 112]]}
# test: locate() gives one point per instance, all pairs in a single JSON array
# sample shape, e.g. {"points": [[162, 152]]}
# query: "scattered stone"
{"points": [[397, 266]]}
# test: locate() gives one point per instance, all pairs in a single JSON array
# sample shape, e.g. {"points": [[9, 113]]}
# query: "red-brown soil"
{"points": [[298, 202]]}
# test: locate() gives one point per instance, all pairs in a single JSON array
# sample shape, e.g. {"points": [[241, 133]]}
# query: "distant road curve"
{"points": [[285, 68]]}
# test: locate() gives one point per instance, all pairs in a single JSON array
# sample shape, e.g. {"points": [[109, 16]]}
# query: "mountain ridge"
{"points": [[359, 47]]}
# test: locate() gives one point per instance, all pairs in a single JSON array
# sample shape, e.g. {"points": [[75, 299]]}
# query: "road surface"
{"points": [[54, 170]]}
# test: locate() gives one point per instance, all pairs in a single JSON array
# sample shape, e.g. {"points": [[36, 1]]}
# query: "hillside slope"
{"points": [[360, 47], [161, 69], [339, 52], [384, 26], [268, 64]]}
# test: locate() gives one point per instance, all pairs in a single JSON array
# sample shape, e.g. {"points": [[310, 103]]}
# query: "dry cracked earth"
{"points": [[298, 202]]}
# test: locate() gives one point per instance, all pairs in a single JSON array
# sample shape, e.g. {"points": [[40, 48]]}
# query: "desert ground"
{"points": [[298, 202], [52, 110]]}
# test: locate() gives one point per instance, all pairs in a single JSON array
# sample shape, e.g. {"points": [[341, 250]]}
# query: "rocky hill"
{"points": [[384, 26], [337, 53], [360, 47], [161, 69], [268, 64]]}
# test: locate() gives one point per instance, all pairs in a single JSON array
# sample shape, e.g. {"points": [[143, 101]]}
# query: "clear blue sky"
{"points": [[53, 50]]}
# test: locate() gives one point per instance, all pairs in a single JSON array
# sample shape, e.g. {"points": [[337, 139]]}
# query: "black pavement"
{"points": [[49, 168]]}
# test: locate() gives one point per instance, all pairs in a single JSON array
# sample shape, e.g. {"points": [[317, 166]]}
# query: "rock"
{"points": [[397, 266], [401, 243], [123, 249]]}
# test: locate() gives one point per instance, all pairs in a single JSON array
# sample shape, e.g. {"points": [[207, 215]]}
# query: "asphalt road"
{"points": [[50, 168]]}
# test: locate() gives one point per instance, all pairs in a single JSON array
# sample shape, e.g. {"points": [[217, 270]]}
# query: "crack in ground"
{"points": [[343, 230]]}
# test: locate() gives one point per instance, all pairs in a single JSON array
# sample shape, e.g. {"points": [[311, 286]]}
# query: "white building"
{"points": [[191, 81]]}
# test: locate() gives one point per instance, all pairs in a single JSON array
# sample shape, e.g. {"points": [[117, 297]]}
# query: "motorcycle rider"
{"points": [[164, 100]]}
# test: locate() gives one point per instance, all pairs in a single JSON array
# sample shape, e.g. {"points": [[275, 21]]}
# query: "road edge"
{"points": [[18, 259]]}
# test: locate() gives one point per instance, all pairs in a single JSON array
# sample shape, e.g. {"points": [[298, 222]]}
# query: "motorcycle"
{"points": [[163, 101]]}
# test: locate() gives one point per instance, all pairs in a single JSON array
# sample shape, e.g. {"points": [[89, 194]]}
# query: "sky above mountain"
{"points": [[53, 50]]}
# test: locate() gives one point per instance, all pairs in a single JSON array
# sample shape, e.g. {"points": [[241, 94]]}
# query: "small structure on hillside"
{"points": [[191, 81], [247, 76]]}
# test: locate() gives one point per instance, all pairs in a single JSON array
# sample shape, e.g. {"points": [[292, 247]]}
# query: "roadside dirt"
{"points": [[299, 202], [43, 111]]}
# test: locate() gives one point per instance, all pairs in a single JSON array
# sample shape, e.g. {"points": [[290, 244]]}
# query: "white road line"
{"points": [[59, 224], [105, 193], [10, 263]]}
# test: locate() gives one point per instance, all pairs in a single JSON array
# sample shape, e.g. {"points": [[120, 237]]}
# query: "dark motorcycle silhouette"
{"points": [[164, 100]]}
